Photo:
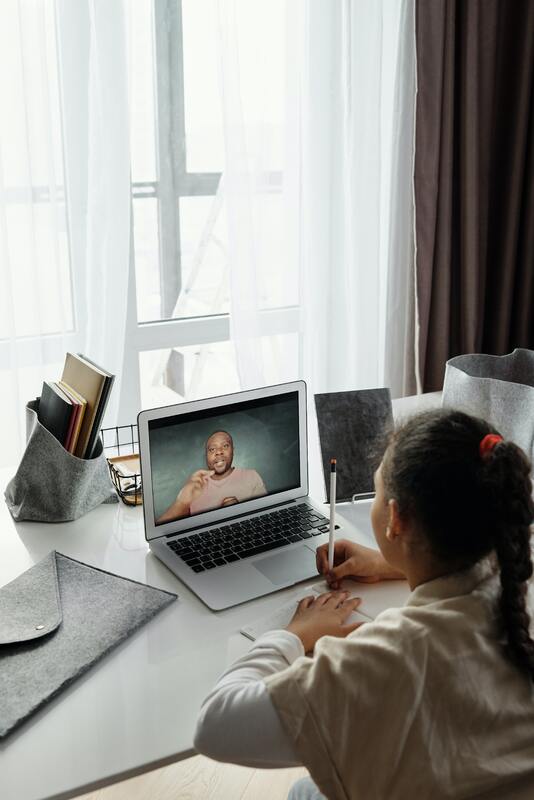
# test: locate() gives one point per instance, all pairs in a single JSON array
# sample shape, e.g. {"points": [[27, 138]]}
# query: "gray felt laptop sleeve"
{"points": [[57, 620]]}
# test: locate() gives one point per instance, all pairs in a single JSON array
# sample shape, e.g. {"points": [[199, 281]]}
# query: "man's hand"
{"points": [[194, 486], [323, 616], [229, 501], [352, 560]]}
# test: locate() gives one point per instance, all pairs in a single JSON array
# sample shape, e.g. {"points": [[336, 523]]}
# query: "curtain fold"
{"points": [[93, 42], [400, 340], [473, 180]]}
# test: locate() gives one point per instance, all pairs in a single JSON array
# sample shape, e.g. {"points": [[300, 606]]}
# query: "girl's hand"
{"points": [[352, 560], [323, 616]]}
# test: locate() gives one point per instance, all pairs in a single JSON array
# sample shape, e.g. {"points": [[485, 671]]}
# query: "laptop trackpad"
{"points": [[289, 567]]}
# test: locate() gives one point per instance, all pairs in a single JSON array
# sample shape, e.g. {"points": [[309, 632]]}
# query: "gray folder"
{"points": [[57, 620]]}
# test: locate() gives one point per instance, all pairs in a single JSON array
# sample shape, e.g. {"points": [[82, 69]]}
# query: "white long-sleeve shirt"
{"points": [[424, 700], [238, 722]]}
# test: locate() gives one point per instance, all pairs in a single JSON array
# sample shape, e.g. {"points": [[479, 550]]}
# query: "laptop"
{"points": [[225, 493]]}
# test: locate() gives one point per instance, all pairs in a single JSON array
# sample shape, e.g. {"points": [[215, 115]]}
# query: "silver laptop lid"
{"points": [[243, 452]]}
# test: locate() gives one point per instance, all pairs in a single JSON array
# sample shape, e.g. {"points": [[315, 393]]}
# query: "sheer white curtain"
{"points": [[254, 70], [64, 196], [346, 228], [35, 285]]}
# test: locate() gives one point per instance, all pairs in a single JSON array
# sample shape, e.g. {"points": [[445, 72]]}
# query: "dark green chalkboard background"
{"points": [[265, 439]]}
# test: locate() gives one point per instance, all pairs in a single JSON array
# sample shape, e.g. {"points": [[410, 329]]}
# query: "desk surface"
{"points": [[137, 709]]}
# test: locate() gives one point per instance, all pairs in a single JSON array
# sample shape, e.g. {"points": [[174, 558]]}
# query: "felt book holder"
{"points": [[353, 427], [57, 620], [51, 484]]}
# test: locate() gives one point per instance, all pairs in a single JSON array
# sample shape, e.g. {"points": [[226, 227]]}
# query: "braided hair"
{"points": [[468, 503]]}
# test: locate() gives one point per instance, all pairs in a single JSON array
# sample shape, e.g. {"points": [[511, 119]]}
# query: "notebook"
{"points": [[376, 597], [81, 404], [56, 411], [353, 428]]}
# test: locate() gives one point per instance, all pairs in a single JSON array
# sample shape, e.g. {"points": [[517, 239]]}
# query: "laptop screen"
{"points": [[220, 457]]}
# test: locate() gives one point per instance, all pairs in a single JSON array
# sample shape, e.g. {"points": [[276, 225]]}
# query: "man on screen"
{"points": [[220, 485]]}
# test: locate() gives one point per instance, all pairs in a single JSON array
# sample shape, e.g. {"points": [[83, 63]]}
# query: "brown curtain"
{"points": [[474, 180]]}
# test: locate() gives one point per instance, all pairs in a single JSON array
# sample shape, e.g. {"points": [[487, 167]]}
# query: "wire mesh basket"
{"points": [[121, 448]]}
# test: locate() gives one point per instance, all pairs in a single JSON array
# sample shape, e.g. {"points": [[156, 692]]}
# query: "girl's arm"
{"points": [[238, 722]]}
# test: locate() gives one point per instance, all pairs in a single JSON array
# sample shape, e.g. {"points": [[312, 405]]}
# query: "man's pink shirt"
{"points": [[243, 484]]}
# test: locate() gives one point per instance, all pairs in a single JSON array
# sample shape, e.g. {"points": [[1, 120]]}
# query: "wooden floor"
{"points": [[199, 778]]}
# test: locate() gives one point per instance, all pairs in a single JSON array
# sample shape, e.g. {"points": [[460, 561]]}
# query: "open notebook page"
{"points": [[376, 597]]}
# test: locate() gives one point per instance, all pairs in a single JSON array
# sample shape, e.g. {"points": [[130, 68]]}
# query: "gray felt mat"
{"points": [[57, 620]]}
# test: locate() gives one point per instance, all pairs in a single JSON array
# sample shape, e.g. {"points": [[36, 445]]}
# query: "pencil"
{"points": [[332, 514]]}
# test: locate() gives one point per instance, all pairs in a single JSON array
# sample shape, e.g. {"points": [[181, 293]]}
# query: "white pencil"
{"points": [[332, 514]]}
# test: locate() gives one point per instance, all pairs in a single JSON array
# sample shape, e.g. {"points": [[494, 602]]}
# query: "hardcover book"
{"points": [[99, 416]]}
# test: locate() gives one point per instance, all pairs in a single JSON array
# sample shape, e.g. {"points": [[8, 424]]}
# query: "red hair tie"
{"points": [[488, 443]]}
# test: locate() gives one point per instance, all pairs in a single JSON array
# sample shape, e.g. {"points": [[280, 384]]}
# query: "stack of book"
{"points": [[72, 409]]}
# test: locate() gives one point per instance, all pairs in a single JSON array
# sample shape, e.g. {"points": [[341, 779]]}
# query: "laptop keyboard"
{"points": [[219, 546]]}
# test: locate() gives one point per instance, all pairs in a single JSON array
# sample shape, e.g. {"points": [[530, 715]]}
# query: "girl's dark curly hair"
{"points": [[468, 505]]}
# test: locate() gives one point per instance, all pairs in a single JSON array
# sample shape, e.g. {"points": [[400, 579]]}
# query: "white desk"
{"points": [[137, 709]]}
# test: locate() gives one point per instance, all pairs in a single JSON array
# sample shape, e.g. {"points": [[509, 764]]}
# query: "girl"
{"points": [[434, 699]]}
